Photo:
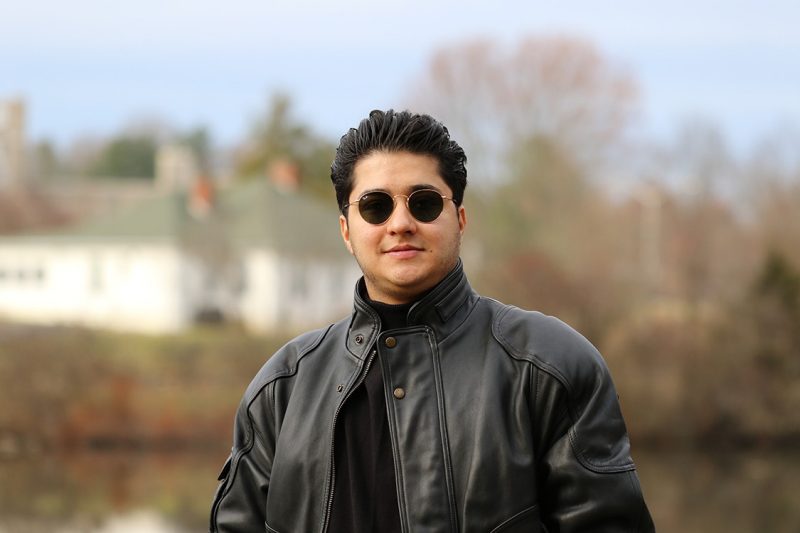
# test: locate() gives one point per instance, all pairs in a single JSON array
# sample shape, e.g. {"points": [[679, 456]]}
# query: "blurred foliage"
{"points": [[108, 390], [130, 153], [279, 137], [44, 160], [200, 142], [687, 279], [127, 156], [720, 491], [687, 282], [495, 99]]}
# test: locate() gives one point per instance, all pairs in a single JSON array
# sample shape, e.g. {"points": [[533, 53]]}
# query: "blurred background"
{"points": [[167, 222]]}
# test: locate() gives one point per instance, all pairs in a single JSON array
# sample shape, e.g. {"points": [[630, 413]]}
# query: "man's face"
{"points": [[402, 257]]}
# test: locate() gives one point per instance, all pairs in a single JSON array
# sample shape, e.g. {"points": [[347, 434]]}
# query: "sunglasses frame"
{"points": [[394, 205]]}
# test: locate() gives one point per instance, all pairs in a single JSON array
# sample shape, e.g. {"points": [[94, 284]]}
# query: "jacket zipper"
{"points": [[332, 478]]}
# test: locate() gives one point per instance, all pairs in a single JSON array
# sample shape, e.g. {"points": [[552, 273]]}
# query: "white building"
{"points": [[270, 259]]}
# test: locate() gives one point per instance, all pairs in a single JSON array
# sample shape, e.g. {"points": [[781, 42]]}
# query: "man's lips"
{"points": [[403, 251]]}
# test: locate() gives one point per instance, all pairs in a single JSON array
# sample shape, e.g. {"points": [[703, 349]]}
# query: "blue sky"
{"points": [[92, 66]]}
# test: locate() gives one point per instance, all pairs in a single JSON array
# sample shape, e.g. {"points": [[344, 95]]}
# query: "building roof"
{"points": [[254, 214], [263, 215]]}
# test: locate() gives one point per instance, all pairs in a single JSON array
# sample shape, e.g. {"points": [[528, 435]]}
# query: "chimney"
{"points": [[285, 175], [176, 168], [201, 197]]}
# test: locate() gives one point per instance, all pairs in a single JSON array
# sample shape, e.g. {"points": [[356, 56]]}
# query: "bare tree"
{"points": [[560, 88]]}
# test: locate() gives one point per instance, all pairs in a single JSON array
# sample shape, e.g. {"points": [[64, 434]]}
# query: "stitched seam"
{"points": [[461, 325], [233, 471], [535, 382], [437, 376], [251, 435], [400, 480], [258, 436], [637, 491], [594, 467], [571, 409], [525, 356], [515, 518], [291, 370], [445, 311]]}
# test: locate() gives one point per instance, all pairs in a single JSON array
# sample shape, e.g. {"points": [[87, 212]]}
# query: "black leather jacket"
{"points": [[501, 420]]}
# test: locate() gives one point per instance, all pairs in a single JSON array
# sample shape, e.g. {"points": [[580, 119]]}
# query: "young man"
{"points": [[430, 408]]}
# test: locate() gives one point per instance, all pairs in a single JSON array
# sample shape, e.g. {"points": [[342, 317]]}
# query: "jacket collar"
{"points": [[443, 309]]}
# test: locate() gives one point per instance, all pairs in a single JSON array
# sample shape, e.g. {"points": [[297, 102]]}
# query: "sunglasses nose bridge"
{"points": [[408, 216]]}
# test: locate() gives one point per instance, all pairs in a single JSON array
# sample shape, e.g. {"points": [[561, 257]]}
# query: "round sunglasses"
{"points": [[376, 207]]}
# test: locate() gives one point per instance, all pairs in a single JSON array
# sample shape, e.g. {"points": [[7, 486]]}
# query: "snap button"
{"points": [[399, 393], [359, 338], [340, 388], [390, 342]]}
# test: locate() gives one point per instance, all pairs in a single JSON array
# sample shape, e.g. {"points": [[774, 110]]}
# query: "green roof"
{"points": [[260, 214], [252, 214], [161, 217]]}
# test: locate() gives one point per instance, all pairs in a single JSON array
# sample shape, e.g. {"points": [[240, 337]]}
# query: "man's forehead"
{"points": [[397, 173]]}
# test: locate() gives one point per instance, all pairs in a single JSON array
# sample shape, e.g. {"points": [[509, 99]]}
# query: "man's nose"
{"points": [[401, 220]]}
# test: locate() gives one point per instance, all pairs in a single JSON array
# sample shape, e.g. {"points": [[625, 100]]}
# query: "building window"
{"points": [[96, 274], [299, 284], [23, 276]]}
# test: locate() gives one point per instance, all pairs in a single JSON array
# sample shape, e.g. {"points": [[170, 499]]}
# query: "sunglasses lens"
{"points": [[376, 207], [425, 205]]}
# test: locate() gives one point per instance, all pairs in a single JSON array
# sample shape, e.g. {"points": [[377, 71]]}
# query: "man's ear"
{"points": [[344, 228], [462, 219]]}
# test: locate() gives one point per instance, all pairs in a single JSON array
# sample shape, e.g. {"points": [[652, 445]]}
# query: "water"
{"points": [[171, 493], [723, 492], [104, 492]]}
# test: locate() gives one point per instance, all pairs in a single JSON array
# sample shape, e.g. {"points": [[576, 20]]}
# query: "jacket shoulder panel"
{"points": [[551, 345], [286, 360], [597, 430]]}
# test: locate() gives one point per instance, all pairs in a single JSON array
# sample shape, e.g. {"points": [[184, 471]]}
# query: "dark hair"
{"points": [[392, 131]]}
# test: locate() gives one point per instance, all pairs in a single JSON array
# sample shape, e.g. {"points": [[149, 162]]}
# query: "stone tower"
{"points": [[12, 142]]}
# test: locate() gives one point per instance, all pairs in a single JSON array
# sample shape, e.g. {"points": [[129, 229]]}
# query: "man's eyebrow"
{"points": [[422, 186], [376, 189]]}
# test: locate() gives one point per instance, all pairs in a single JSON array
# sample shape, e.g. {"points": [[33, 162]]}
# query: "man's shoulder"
{"points": [[285, 361], [549, 344]]}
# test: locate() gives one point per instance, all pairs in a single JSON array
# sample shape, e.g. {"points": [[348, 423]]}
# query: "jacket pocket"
{"points": [[526, 521]]}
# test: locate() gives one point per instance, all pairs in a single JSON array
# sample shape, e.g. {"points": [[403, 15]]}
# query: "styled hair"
{"points": [[391, 131]]}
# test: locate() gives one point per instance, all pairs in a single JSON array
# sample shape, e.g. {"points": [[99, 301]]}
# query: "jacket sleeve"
{"points": [[587, 478], [239, 504]]}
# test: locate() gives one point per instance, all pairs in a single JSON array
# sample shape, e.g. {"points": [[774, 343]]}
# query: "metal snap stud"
{"points": [[390, 342], [340, 388], [359, 338], [399, 393]]}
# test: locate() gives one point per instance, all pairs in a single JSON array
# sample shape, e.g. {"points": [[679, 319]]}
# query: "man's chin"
{"points": [[411, 288]]}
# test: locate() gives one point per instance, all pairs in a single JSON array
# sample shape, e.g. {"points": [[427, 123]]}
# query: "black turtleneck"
{"points": [[365, 494]]}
